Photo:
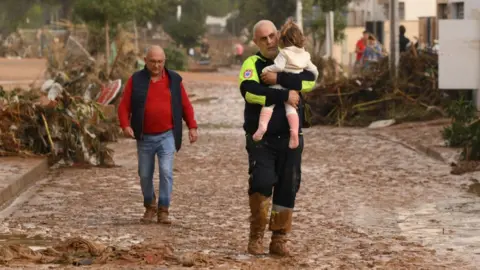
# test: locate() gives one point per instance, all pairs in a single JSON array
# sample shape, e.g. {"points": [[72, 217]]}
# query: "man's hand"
{"points": [[128, 132], [293, 98], [269, 78], [193, 135]]}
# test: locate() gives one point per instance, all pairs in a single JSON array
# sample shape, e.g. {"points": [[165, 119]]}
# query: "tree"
{"points": [[107, 13], [191, 25], [251, 11], [218, 8], [315, 17]]}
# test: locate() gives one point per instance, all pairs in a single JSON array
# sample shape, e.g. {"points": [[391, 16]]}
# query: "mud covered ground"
{"points": [[365, 202]]}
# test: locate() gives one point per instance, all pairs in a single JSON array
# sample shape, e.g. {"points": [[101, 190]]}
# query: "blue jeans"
{"points": [[163, 146]]}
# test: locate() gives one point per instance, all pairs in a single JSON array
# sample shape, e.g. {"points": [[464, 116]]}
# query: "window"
{"points": [[442, 11], [459, 10], [401, 10]]}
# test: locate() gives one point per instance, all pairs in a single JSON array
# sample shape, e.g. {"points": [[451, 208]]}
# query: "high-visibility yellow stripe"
{"points": [[255, 99], [307, 86]]}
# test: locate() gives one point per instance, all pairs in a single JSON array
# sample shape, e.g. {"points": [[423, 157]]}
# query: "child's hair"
{"points": [[291, 35]]}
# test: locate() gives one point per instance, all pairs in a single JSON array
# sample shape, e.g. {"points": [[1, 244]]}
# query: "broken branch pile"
{"points": [[81, 252], [373, 96], [62, 129]]}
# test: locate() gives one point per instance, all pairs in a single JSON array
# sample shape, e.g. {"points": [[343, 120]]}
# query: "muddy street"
{"points": [[364, 202]]}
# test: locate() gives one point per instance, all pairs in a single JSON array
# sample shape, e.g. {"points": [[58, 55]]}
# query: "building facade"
{"points": [[458, 9]]}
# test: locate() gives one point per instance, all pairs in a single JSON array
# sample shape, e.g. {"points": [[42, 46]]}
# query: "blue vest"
{"points": [[140, 83]]}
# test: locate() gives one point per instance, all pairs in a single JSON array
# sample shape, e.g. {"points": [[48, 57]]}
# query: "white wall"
{"points": [[420, 8], [472, 9]]}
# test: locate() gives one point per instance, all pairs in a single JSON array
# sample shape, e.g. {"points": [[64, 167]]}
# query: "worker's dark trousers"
{"points": [[275, 168]]}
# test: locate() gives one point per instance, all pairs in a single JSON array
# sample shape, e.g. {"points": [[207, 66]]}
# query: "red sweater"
{"points": [[158, 107]]}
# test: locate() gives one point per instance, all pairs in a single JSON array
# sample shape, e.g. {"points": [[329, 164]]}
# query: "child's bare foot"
{"points": [[293, 143]]}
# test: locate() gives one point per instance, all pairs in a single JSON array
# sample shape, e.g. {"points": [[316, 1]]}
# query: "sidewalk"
{"points": [[425, 137], [17, 174]]}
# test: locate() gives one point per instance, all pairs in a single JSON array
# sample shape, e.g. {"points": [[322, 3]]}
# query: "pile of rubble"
{"points": [[372, 96], [65, 118], [82, 252]]}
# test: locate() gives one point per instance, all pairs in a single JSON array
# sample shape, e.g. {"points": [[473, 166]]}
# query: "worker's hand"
{"points": [[128, 132], [193, 135], [293, 98], [269, 78]]}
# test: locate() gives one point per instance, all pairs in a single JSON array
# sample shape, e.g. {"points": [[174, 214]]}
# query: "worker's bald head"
{"points": [[262, 25], [265, 36], [155, 60]]}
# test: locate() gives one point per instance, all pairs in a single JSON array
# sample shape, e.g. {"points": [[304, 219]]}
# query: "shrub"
{"points": [[176, 59]]}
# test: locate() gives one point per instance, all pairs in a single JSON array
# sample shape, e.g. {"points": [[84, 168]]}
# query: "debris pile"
{"points": [[58, 125], [65, 118], [372, 96], [82, 252]]}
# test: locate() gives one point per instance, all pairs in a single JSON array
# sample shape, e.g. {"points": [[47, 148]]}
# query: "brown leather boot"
{"points": [[259, 206], [150, 211], [162, 216], [280, 225]]}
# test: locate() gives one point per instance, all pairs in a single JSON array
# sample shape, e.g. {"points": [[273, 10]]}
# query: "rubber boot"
{"points": [[259, 206], [280, 225]]}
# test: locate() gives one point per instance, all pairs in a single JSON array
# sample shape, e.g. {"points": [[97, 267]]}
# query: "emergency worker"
{"points": [[274, 168]]}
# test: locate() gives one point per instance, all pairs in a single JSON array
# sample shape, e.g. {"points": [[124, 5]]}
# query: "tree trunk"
{"points": [[135, 30], [107, 48]]}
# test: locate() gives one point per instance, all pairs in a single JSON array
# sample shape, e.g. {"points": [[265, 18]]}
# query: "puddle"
{"points": [[35, 242], [204, 100], [474, 188], [448, 226]]}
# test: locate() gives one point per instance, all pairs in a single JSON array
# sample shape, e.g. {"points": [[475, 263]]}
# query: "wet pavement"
{"points": [[364, 202]]}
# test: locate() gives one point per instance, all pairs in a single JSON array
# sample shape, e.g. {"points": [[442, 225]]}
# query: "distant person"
{"points": [[151, 111], [204, 48], [360, 48], [436, 46], [404, 41], [238, 53], [373, 52]]}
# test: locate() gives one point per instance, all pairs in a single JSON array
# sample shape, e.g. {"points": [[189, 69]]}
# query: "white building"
{"points": [[411, 10], [360, 11], [458, 9]]}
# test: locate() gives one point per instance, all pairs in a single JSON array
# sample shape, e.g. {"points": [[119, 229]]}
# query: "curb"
{"points": [[20, 183], [429, 151], [415, 146]]}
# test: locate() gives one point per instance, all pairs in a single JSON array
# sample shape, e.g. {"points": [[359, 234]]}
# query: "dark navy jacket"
{"points": [[140, 83]]}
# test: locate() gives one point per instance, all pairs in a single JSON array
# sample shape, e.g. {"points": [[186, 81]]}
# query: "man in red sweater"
{"points": [[151, 111]]}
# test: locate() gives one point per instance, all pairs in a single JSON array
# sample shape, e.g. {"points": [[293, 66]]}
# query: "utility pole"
{"points": [[299, 14], [394, 40]]}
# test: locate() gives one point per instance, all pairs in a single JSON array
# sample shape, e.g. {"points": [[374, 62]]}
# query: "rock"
{"points": [[382, 123]]}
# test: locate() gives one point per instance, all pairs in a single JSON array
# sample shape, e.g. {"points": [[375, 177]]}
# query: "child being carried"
{"points": [[294, 59]]}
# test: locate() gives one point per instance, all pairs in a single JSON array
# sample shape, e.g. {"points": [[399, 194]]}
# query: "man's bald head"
{"points": [[263, 24], [265, 36], [155, 60], [155, 50]]}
